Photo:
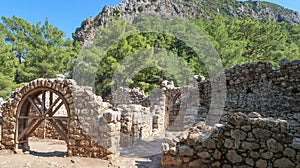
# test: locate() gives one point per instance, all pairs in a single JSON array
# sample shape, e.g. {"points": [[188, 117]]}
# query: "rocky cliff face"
{"points": [[191, 9]]}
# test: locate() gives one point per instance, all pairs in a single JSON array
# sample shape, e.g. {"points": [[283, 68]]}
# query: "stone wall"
{"points": [[136, 122], [158, 109], [245, 141], [182, 108], [93, 130], [47, 131], [94, 126], [257, 87], [250, 87], [129, 96]]}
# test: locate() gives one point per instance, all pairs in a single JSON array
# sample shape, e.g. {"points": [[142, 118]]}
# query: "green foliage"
{"points": [[40, 50], [244, 40], [7, 67], [32, 51], [6, 85], [131, 50], [237, 41]]}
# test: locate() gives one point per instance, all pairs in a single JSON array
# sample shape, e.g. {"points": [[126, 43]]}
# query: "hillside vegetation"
{"points": [[240, 32]]}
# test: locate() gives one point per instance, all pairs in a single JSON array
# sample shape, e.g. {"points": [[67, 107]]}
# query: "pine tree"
{"points": [[7, 66], [40, 50]]}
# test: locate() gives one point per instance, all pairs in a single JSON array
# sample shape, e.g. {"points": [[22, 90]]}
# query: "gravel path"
{"points": [[51, 154]]}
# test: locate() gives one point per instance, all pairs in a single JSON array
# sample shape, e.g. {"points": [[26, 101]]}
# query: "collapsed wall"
{"points": [[257, 87], [247, 141], [250, 87], [129, 96], [136, 122]]}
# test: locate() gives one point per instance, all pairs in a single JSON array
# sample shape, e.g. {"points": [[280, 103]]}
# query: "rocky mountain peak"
{"points": [[190, 9]]}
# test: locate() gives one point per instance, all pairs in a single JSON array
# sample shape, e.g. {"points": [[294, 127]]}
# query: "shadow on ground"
{"points": [[48, 154], [149, 149]]}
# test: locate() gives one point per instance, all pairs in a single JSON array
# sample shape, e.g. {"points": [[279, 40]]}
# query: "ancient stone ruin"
{"points": [[269, 138], [41, 100], [250, 141], [257, 127]]}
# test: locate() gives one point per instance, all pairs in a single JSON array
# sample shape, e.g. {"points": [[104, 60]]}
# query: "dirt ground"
{"points": [[52, 153]]}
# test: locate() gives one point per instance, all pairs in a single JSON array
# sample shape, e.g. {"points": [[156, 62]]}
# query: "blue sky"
{"points": [[67, 15]]}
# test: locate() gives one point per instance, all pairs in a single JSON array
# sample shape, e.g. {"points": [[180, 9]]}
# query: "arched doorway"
{"points": [[40, 106], [53, 101], [174, 109]]}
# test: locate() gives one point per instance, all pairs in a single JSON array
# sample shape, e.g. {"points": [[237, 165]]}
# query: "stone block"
{"points": [[185, 150], [203, 155], [233, 157], [250, 145], [274, 146], [267, 155], [171, 161], [283, 163], [196, 164]]}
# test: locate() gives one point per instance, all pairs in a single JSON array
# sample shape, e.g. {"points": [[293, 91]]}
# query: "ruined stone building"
{"points": [[251, 120]]}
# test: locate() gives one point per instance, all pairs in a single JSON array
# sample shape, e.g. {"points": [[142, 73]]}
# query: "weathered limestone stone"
{"points": [[261, 163], [233, 157], [170, 140], [261, 133], [249, 145], [217, 155], [288, 139], [171, 161], [246, 128], [254, 115], [173, 151], [186, 159], [228, 143], [238, 134], [209, 144], [274, 146], [185, 150], [237, 119], [203, 155], [216, 165], [283, 163], [267, 155], [196, 164], [290, 153], [183, 136], [226, 166], [193, 138], [250, 161]]}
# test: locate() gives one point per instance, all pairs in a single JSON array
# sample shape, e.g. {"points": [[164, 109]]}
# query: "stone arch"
{"points": [[15, 130], [174, 108], [173, 96], [39, 105]]}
